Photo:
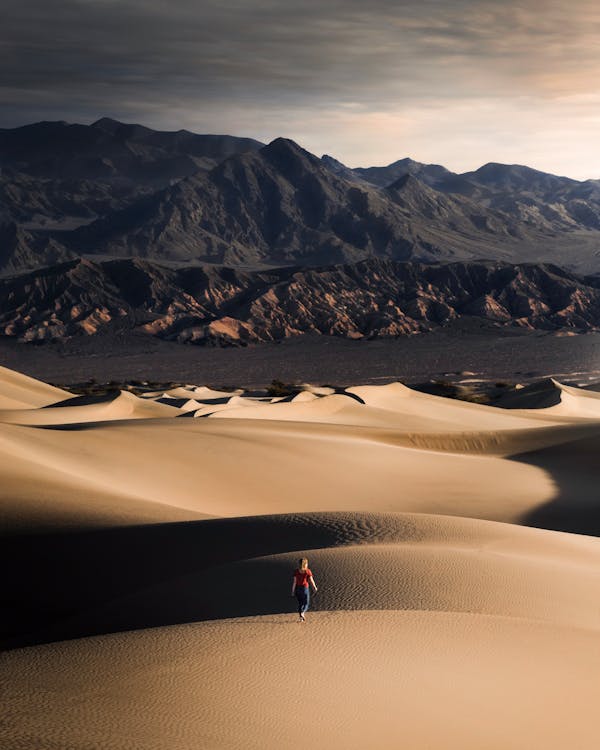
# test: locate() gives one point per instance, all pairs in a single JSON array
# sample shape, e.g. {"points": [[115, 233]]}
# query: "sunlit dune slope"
{"points": [[575, 402], [402, 414], [19, 391], [235, 467], [117, 406], [387, 679], [119, 460]]}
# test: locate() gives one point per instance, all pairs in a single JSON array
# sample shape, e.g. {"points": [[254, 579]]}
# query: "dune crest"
{"points": [[119, 406], [19, 391]]}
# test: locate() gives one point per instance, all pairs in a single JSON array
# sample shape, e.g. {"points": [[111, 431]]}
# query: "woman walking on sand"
{"points": [[300, 587]]}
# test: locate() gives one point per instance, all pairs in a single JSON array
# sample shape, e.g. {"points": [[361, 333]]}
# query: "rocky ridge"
{"points": [[224, 306], [537, 199]]}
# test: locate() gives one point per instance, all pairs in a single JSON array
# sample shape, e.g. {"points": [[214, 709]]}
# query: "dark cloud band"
{"points": [[264, 51]]}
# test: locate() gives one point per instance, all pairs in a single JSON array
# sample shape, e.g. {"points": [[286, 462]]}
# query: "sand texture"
{"points": [[148, 543]]}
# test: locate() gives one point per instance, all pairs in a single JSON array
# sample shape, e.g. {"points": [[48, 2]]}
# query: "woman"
{"points": [[302, 578]]}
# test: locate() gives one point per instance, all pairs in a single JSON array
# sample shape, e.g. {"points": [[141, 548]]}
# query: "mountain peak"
{"points": [[406, 162], [333, 163], [339, 169], [118, 129], [494, 168], [428, 174], [495, 173], [406, 182], [288, 157], [107, 124], [285, 145]]}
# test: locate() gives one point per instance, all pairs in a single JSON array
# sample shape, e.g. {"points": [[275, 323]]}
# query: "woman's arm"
{"points": [[312, 581], [294, 586]]}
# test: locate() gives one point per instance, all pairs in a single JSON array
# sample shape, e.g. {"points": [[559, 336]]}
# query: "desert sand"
{"points": [[148, 543]]}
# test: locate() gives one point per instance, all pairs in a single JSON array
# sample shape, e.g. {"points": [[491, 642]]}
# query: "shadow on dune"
{"points": [[91, 400], [575, 469], [69, 585], [541, 394]]}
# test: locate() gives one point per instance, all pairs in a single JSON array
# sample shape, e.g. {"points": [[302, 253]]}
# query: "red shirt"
{"points": [[301, 577]]}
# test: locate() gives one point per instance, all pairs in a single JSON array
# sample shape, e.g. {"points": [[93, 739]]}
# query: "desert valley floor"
{"points": [[148, 543]]}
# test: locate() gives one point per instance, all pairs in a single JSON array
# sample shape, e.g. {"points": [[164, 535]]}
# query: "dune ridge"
{"points": [[18, 391], [399, 561]]}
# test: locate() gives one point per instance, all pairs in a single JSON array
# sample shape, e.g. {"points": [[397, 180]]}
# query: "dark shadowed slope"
{"points": [[283, 205]]}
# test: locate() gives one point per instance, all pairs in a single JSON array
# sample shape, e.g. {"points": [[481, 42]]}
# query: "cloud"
{"points": [[253, 63]]}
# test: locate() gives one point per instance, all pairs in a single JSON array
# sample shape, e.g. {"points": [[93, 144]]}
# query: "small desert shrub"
{"points": [[279, 388]]}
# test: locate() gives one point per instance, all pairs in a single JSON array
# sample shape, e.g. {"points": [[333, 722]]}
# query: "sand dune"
{"points": [[424, 417], [576, 402], [121, 405], [433, 618], [549, 398], [228, 467], [19, 391], [200, 393], [442, 620], [203, 393], [365, 560], [371, 679], [234, 467], [399, 407]]}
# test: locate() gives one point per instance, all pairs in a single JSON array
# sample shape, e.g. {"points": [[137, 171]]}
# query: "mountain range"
{"points": [[216, 305], [218, 225]]}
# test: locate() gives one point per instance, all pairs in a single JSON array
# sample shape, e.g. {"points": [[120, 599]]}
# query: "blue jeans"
{"points": [[303, 597]]}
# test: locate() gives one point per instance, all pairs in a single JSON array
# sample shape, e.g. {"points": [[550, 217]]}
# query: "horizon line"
{"points": [[254, 138]]}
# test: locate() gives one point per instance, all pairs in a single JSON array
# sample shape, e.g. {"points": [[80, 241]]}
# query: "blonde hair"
{"points": [[303, 563]]}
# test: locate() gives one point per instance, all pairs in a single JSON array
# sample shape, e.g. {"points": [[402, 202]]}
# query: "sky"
{"points": [[454, 82]]}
